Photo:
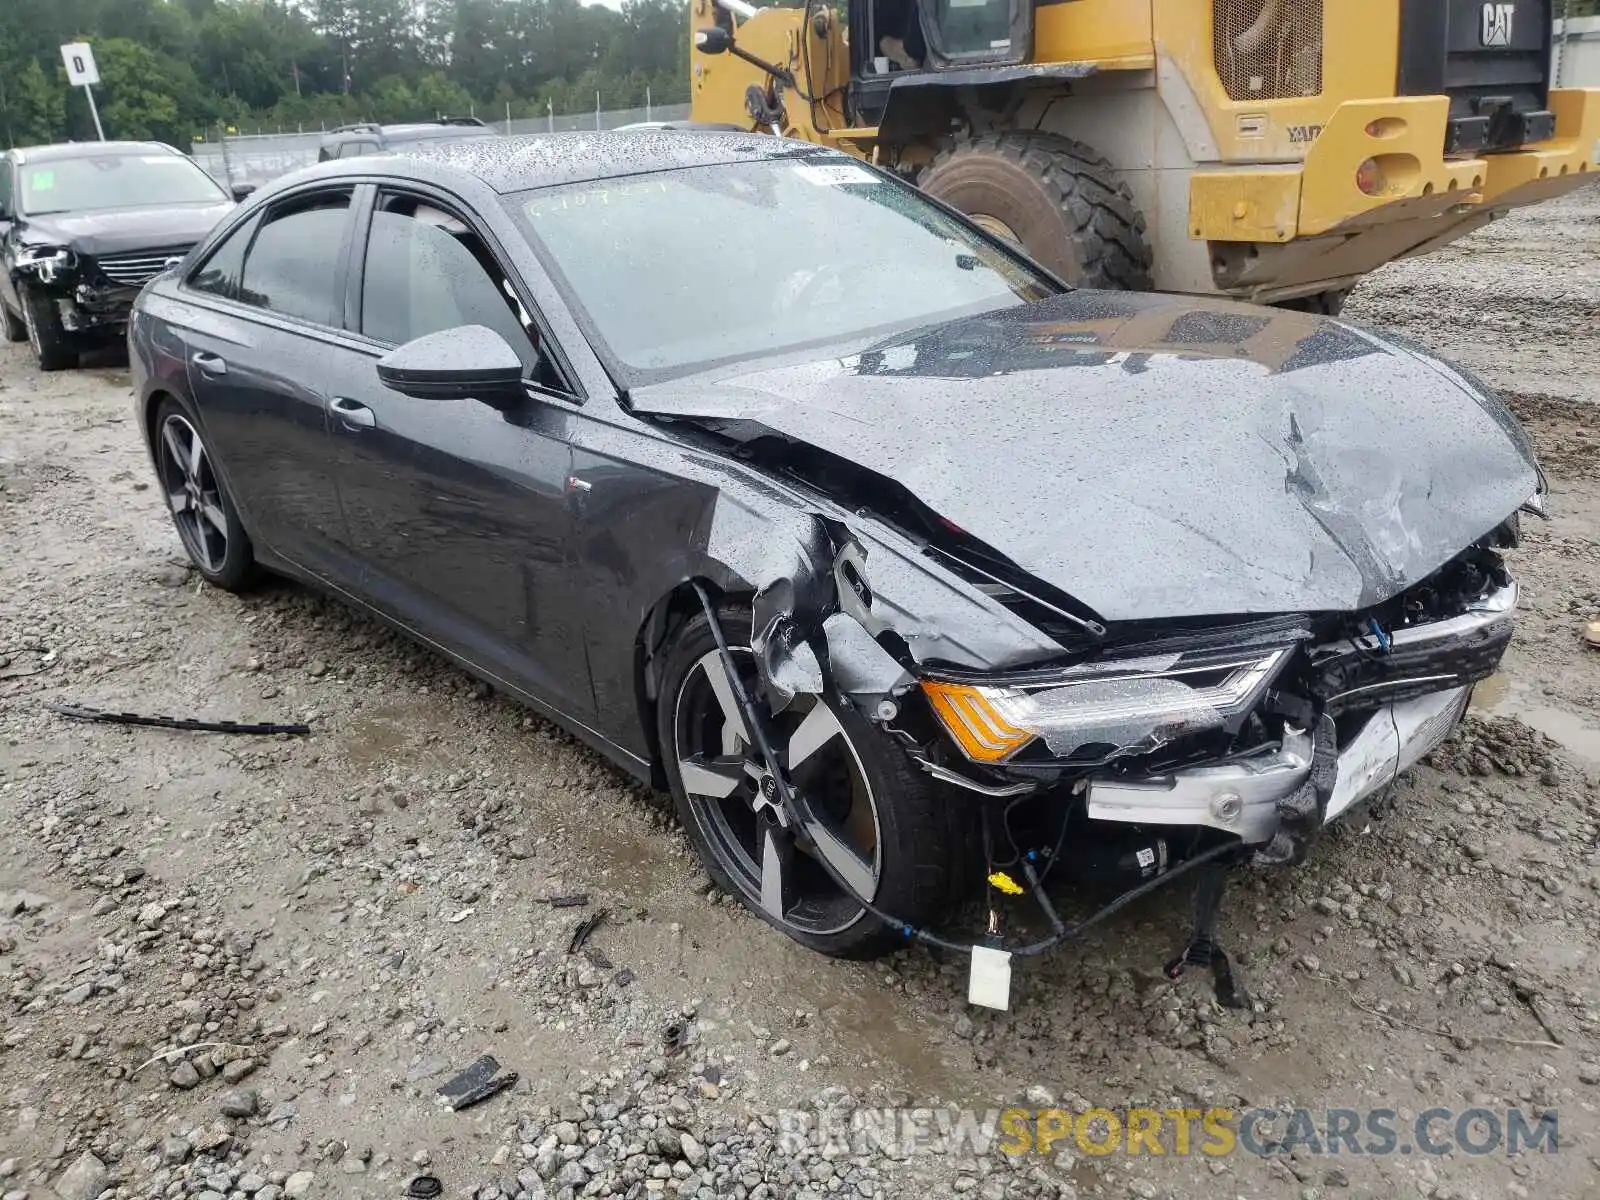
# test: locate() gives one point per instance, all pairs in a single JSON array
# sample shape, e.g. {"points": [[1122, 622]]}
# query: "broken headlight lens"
{"points": [[1104, 710], [46, 261]]}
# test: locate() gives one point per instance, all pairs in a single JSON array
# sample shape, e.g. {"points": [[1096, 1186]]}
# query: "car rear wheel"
{"points": [[52, 345], [206, 520], [880, 823], [12, 325]]}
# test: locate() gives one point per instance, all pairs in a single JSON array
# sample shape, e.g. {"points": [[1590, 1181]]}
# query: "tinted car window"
{"points": [[102, 181], [843, 251], [354, 149], [5, 187], [293, 266], [427, 271], [221, 272]]}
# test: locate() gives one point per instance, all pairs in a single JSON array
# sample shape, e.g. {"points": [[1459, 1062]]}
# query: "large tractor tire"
{"points": [[1056, 197]]}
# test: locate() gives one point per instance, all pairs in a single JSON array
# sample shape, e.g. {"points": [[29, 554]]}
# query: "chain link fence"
{"points": [[258, 158]]}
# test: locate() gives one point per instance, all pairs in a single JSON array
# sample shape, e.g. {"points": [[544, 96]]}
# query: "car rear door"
{"points": [[459, 511], [267, 303]]}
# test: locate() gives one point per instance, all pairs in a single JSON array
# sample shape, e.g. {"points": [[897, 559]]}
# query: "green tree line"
{"points": [[172, 69]]}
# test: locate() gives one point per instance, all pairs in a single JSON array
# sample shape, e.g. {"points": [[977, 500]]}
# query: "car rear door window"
{"points": [[427, 271], [293, 266]]}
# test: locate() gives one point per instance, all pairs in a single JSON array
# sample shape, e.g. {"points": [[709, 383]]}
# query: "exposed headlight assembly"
{"points": [[1104, 710], [47, 262]]}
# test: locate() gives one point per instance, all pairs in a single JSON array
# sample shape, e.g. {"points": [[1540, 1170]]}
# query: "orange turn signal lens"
{"points": [[978, 728]]}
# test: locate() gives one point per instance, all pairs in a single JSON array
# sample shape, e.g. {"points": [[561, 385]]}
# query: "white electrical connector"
{"points": [[989, 984]]}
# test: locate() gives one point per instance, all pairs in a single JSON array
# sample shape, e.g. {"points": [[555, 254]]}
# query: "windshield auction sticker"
{"points": [[833, 174]]}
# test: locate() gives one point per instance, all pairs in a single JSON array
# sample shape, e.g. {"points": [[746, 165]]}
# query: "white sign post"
{"points": [[81, 72]]}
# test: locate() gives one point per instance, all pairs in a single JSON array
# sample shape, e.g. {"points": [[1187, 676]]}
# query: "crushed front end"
{"points": [[92, 295], [1202, 744], [1259, 730]]}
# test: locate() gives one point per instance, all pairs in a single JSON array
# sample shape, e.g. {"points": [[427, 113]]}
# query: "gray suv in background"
{"points": [[367, 137]]}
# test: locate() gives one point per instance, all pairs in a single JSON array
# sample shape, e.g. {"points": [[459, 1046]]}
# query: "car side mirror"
{"points": [[470, 363], [713, 40], [242, 190]]}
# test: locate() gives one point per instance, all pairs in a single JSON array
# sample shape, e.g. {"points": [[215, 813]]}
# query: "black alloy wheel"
{"points": [[880, 824], [204, 516]]}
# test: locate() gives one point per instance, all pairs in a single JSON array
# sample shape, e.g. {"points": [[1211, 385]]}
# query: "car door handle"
{"points": [[354, 416], [210, 364]]}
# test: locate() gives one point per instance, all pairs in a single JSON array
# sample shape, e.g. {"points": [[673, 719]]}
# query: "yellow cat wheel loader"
{"points": [[1269, 150]]}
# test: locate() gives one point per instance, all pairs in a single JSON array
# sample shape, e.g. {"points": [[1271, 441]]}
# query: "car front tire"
{"points": [[888, 824], [52, 345], [202, 511]]}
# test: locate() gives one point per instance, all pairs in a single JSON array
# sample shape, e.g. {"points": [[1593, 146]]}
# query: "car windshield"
{"points": [[102, 181], [676, 270]]}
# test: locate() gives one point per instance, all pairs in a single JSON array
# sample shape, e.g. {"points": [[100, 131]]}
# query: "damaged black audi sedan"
{"points": [[901, 564], [84, 226]]}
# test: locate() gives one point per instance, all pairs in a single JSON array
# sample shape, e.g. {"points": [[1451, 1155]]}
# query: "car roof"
{"points": [[442, 127], [430, 129], [63, 150], [521, 163]]}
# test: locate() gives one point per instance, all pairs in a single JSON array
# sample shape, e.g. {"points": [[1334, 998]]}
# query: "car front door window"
{"points": [[292, 267], [427, 271]]}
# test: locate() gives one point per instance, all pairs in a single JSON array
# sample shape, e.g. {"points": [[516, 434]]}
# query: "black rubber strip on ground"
{"points": [[78, 712]]}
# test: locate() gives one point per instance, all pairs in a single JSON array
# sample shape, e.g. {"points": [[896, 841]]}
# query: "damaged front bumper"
{"points": [[1265, 736], [1261, 730], [1398, 695], [86, 300], [97, 308], [1245, 798]]}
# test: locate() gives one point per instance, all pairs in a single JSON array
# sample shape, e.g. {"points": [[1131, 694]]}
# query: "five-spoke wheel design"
{"points": [[193, 494], [775, 861], [869, 826]]}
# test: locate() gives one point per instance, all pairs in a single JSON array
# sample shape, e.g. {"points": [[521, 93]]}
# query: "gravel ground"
{"points": [[325, 929]]}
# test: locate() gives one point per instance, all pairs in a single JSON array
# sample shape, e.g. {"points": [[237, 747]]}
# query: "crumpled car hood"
{"points": [[1157, 456], [117, 230]]}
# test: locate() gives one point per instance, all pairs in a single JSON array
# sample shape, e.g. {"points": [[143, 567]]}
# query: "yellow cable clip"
{"points": [[1002, 882]]}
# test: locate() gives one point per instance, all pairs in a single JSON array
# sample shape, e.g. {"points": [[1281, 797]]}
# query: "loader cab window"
{"points": [[898, 44], [915, 35], [973, 31]]}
